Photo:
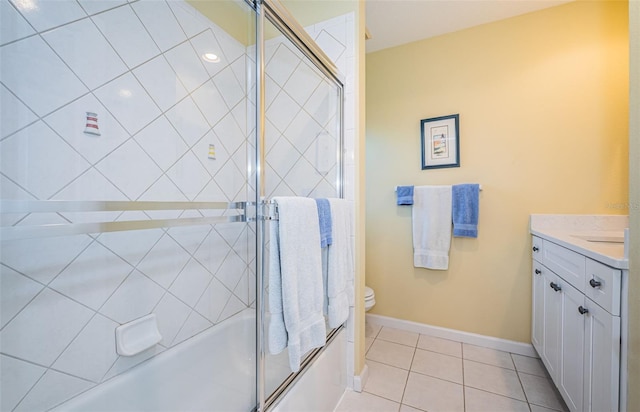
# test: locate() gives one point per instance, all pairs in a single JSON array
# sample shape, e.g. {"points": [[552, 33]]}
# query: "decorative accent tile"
{"points": [[70, 43], [17, 378], [44, 328], [159, 20], [92, 353], [136, 297]]}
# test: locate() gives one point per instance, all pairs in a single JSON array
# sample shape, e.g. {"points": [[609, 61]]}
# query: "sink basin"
{"points": [[601, 239]]}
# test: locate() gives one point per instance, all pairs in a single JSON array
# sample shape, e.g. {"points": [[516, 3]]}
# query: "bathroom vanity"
{"points": [[579, 314]]}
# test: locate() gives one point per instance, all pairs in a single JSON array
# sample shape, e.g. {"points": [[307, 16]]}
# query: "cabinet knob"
{"points": [[583, 310], [555, 287], [538, 271], [594, 283], [535, 248]]}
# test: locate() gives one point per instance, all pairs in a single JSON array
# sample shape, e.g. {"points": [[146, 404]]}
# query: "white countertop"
{"points": [[573, 231]]}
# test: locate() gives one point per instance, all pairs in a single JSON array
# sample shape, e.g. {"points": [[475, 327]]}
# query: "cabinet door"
{"points": [[602, 360], [552, 322], [571, 384], [537, 312]]}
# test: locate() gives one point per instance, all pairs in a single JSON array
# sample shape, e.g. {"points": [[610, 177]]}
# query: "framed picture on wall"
{"points": [[440, 142]]}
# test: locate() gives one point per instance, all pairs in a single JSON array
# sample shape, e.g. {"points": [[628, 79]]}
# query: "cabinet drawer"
{"points": [[536, 248], [567, 264], [603, 286]]}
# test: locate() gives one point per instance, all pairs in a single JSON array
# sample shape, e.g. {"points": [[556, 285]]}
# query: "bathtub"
{"points": [[213, 371]]}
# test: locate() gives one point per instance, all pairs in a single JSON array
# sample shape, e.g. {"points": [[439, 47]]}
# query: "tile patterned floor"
{"points": [[409, 372]]}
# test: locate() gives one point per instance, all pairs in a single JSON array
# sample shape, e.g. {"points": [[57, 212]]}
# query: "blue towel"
{"points": [[405, 195], [324, 217], [465, 210]]}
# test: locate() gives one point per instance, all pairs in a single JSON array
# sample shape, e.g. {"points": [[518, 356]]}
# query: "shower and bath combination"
{"points": [[140, 143]]}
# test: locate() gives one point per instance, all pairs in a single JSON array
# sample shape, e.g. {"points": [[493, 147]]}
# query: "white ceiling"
{"points": [[395, 22]]}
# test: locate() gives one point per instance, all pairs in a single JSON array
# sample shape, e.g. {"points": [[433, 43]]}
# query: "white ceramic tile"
{"points": [[302, 131], [16, 291], [233, 306], [136, 297], [17, 378], [302, 83], [437, 365], [398, 336], [481, 401], [161, 82], [212, 252], [230, 180], [282, 64], [131, 245], [163, 190], [191, 283], [302, 178], [486, 355], [231, 270], [206, 42], [201, 151], [171, 315], [160, 22], [536, 408], [332, 47], [231, 90], [493, 379], [371, 330], [130, 169], [391, 353], [97, 6], [164, 262], [386, 381], [445, 346], [242, 289], [93, 276], [282, 156], [407, 408], [69, 122], [128, 36], [189, 175], [282, 111], [129, 102], [94, 66], [541, 391], [37, 76], [367, 344], [53, 389], [188, 121], [92, 353], [431, 394], [162, 143], [187, 65], [53, 254], [191, 21], [526, 364], [190, 237], [194, 324], [231, 47], [211, 102], [229, 133], [125, 363], [213, 300], [44, 328], [32, 158], [43, 14], [363, 401], [14, 115], [243, 72], [322, 105], [12, 25]]}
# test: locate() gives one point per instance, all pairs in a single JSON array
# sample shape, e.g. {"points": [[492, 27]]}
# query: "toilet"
{"points": [[369, 298]]}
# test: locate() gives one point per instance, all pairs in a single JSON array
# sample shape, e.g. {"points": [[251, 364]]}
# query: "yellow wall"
{"points": [[543, 104], [634, 211]]}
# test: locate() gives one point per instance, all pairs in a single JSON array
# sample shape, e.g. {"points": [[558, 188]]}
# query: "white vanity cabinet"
{"points": [[576, 325]]}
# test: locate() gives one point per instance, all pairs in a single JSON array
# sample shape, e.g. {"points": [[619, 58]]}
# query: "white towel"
{"points": [[431, 216], [295, 290], [340, 272]]}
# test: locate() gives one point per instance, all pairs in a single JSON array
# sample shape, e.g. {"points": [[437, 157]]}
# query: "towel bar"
{"points": [[396, 188]]}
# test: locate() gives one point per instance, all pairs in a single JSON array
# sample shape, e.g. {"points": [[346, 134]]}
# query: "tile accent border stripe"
{"points": [[491, 342]]}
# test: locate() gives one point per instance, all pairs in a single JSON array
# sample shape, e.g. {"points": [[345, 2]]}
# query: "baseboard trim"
{"points": [[360, 380], [506, 345]]}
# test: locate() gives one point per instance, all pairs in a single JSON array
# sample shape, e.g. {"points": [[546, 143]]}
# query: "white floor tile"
{"points": [[493, 379], [445, 346], [407, 408], [398, 336], [437, 365], [363, 401], [488, 356], [433, 395], [480, 401], [391, 353], [540, 391], [386, 381], [526, 364]]}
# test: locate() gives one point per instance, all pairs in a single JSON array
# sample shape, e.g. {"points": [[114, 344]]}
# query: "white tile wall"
{"points": [[159, 108]]}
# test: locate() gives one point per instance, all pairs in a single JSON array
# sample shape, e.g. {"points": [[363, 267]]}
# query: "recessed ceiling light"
{"points": [[211, 57]]}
